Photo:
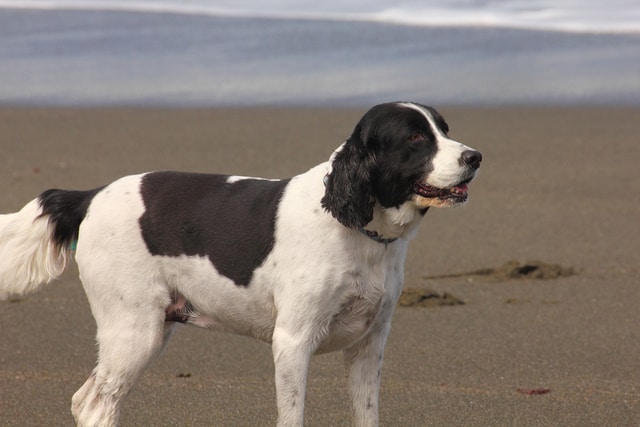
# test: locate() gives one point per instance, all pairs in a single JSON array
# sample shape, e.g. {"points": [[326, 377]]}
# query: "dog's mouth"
{"points": [[457, 194]]}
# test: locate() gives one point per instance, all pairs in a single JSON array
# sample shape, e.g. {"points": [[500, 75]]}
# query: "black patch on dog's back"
{"points": [[233, 224]]}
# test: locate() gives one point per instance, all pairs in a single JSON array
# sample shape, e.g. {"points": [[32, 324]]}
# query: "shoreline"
{"points": [[178, 60]]}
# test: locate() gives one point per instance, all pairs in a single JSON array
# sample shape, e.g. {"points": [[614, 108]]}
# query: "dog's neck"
{"points": [[388, 224], [394, 223]]}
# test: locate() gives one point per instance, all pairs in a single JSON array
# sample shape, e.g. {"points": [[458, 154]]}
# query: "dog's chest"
{"points": [[353, 321], [369, 298]]}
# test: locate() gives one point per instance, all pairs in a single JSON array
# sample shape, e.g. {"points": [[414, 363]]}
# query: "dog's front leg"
{"points": [[363, 362], [291, 355]]}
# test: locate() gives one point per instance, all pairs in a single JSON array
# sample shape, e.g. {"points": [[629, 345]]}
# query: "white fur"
{"points": [[236, 178], [28, 256], [308, 297], [323, 287], [294, 301]]}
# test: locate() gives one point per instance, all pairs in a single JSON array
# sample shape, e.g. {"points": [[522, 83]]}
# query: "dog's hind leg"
{"points": [[131, 332], [92, 392]]}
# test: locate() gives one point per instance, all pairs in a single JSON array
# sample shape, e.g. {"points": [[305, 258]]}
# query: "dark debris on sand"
{"points": [[514, 270], [414, 297]]}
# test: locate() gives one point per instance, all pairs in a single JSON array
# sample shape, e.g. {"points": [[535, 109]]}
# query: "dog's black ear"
{"points": [[349, 194]]}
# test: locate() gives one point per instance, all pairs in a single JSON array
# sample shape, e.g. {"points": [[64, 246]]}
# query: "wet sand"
{"points": [[558, 186]]}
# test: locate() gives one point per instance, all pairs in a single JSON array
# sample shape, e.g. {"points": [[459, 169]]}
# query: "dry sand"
{"points": [[557, 186]]}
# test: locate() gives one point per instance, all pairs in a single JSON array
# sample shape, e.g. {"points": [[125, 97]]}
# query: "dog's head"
{"points": [[398, 153]]}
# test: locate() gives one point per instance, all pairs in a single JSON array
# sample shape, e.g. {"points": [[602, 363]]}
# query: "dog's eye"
{"points": [[416, 136]]}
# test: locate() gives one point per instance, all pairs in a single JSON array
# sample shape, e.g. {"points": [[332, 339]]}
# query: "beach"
{"points": [[557, 187]]}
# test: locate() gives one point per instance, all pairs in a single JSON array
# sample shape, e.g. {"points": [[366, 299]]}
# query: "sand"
{"points": [[558, 186]]}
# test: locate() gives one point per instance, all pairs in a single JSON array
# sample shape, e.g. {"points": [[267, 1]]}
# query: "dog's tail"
{"points": [[35, 243]]}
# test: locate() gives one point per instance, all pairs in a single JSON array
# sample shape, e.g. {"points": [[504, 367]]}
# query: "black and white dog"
{"points": [[309, 264]]}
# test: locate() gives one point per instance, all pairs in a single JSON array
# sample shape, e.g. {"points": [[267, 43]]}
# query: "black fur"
{"points": [[389, 150], [349, 195], [200, 214], [66, 210]]}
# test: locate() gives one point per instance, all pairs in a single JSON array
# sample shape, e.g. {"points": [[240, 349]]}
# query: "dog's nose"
{"points": [[471, 158]]}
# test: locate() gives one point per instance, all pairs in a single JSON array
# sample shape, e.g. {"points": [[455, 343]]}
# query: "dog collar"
{"points": [[376, 237], [369, 233]]}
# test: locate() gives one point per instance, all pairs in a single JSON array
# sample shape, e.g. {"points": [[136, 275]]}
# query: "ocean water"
{"points": [[239, 53]]}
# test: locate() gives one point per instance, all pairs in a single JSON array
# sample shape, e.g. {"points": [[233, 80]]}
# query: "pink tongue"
{"points": [[462, 187]]}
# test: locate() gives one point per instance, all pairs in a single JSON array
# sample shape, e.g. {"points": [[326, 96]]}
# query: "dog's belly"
{"points": [[253, 323], [203, 298], [347, 326]]}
